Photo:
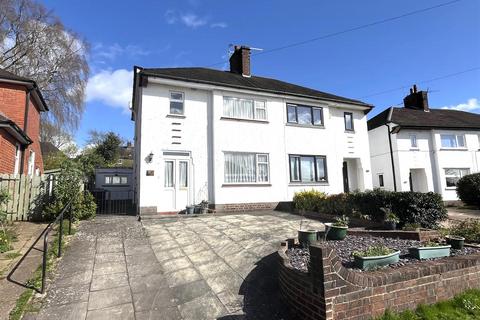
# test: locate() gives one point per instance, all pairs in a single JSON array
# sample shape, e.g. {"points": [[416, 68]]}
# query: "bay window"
{"points": [[308, 168], [244, 108], [452, 175], [452, 140], [241, 167], [304, 115]]}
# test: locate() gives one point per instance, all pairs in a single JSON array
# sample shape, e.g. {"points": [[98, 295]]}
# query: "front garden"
{"points": [[397, 251]]}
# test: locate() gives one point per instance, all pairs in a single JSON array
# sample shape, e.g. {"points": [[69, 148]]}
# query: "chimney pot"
{"points": [[416, 100], [240, 61], [414, 88]]}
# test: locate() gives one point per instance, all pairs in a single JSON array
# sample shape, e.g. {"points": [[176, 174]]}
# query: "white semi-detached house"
{"points": [[415, 148], [240, 141]]}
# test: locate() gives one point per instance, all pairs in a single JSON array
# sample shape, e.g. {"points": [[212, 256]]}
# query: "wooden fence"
{"points": [[27, 193]]}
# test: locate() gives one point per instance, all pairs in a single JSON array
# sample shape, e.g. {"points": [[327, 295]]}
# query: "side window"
{"points": [[348, 121], [413, 141], [31, 163], [176, 102], [380, 180], [17, 159]]}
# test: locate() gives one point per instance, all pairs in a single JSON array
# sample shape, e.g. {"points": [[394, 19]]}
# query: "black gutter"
{"points": [[391, 157]]}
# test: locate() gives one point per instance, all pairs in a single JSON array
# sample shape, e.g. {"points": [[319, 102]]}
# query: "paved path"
{"points": [[208, 267]]}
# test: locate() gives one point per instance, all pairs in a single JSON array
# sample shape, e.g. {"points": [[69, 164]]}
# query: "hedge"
{"points": [[468, 189], [425, 209]]}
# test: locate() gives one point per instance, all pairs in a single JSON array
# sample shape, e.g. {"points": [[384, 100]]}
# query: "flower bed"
{"points": [[300, 257]]}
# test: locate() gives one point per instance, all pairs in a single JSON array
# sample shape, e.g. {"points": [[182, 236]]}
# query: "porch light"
{"points": [[149, 157]]}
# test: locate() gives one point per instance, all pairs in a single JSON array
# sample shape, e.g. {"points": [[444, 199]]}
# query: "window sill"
{"points": [[450, 188], [115, 185], [244, 120], [453, 149], [295, 184], [311, 126], [177, 116], [350, 131], [414, 149], [246, 185]]}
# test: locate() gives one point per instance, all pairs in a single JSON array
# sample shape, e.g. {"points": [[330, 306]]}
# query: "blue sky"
{"points": [[358, 64]]}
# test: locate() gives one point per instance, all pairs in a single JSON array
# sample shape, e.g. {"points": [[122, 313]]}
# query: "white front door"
{"points": [[177, 183]]}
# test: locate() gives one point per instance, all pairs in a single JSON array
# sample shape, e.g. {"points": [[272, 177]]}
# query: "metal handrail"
{"points": [[60, 218]]}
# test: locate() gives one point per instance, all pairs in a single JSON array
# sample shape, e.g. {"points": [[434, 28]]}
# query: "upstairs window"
{"points": [[413, 141], [452, 140], [308, 169], [348, 121], [304, 115], [244, 108], [176, 102]]}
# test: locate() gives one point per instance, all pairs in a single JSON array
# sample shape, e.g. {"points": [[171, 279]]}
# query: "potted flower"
{"points": [[204, 206], [430, 250], [456, 242], [338, 230], [306, 237], [374, 257], [391, 220]]}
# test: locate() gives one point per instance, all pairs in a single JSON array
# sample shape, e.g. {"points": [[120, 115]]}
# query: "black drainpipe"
{"points": [[391, 157], [25, 123]]}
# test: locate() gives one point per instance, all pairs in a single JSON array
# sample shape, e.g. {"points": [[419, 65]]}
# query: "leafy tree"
{"points": [[35, 44], [109, 148]]}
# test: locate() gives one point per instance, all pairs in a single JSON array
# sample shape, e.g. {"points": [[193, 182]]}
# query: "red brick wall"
{"points": [[241, 207], [12, 105], [7, 155], [330, 291]]}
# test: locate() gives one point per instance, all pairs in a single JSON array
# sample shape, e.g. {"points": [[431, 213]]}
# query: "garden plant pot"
{"points": [[337, 233], [306, 237], [455, 242], [366, 263], [430, 252], [390, 225], [197, 209], [190, 209]]}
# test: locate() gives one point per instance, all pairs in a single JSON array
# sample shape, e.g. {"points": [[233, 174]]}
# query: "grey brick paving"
{"points": [[203, 267]]}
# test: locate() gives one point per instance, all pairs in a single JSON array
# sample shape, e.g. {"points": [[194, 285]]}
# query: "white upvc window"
{"points": [[240, 108], [452, 175], [453, 141], [17, 159], [413, 141], [31, 163], [177, 102], [242, 167], [308, 168]]}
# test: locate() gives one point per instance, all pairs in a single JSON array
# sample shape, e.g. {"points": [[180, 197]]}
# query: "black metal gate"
{"points": [[114, 202]]}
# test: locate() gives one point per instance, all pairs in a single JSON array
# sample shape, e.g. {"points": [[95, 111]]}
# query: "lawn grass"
{"points": [[23, 302], [465, 306]]}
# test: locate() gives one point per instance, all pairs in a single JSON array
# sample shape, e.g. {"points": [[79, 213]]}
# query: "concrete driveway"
{"points": [[204, 267]]}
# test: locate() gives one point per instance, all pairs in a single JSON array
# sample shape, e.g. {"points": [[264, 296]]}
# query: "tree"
{"points": [[35, 44], [109, 148]]}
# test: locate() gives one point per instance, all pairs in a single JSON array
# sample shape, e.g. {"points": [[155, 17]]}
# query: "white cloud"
{"points": [[192, 20], [222, 25], [113, 88], [471, 105], [111, 52]]}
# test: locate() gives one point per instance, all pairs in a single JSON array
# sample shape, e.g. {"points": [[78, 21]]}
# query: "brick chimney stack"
{"points": [[417, 100], [240, 61]]}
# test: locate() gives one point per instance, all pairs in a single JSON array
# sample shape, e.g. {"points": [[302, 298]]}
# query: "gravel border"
{"points": [[300, 257]]}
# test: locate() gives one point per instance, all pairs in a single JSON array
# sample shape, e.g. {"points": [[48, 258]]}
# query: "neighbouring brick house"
{"points": [[20, 105]]}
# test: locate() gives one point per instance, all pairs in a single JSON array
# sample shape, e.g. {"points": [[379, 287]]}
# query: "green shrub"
{"points": [[336, 204], [308, 200], [68, 188], [371, 202], [469, 229], [468, 189]]}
